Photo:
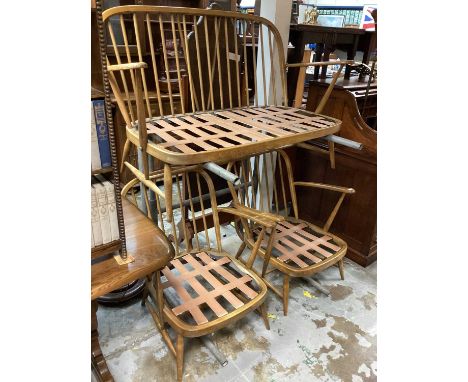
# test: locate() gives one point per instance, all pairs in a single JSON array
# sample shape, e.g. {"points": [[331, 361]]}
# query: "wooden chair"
{"points": [[204, 288], [225, 119], [300, 248]]}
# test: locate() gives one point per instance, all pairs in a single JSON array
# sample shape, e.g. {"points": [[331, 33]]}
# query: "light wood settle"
{"points": [[226, 113]]}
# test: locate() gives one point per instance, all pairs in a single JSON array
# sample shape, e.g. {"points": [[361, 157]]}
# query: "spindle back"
{"points": [[194, 226], [196, 60], [267, 183]]}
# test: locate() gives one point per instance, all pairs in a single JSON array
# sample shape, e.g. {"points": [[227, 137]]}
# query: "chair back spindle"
{"points": [[194, 226], [267, 183], [196, 60]]}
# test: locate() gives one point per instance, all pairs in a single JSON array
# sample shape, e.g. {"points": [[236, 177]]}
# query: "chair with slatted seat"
{"points": [[236, 104], [300, 248], [204, 288]]}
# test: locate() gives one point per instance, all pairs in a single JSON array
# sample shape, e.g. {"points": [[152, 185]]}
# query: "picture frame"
{"points": [[336, 21]]}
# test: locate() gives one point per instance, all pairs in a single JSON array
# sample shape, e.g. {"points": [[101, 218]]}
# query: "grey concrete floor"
{"points": [[323, 338]]}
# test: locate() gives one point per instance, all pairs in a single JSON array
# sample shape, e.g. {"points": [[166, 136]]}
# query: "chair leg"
{"points": [[240, 250], [341, 267], [263, 311], [285, 294], [145, 291], [180, 356]]}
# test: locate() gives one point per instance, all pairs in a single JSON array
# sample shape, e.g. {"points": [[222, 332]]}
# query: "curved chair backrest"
{"points": [[192, 60], [267, 183], [194, 209]]}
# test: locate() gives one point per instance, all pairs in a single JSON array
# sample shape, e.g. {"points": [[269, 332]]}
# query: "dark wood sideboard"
{"points": [[356, 222]]}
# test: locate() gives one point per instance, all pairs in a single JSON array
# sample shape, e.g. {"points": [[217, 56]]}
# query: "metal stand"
{"points": [[221, 172], [206, 340], [315, 283], [343, 141]]}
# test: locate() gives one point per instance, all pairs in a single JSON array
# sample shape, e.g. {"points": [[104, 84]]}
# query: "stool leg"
{"points": [[180, 356], [285, 294], [341, 267]]}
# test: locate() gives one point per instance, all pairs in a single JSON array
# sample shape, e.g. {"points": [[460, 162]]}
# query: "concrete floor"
{"points": [[322, 339]]}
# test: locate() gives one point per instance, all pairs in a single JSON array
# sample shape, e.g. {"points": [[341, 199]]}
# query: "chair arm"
{"points": [[326, 187], [265, 219], [330, 187], [128, 66]]}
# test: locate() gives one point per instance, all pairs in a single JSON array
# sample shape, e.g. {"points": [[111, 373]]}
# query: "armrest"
{"points": [[265, 219], [326, 187], [128, 66], [319, 63], [330, 187]]}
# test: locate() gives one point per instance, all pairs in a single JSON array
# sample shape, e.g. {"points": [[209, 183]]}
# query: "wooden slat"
{"points": [[233, 129], [186, 277], [293, 242]]}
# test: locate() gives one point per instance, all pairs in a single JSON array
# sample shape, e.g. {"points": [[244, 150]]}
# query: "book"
{"points": [[95, 223], [102, 132], [112, 211], [114, 225], [95, 158], [101, 196]]}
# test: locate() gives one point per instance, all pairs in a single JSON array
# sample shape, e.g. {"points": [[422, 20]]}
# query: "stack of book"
{"points": [[100, 150], [104, 225]]}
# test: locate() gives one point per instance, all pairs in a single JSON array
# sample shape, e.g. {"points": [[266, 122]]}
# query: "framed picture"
{"points": [[367, 21], [331, 20]]}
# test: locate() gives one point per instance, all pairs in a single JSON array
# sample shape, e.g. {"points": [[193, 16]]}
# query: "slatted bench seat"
{"points": [[229, 134]]}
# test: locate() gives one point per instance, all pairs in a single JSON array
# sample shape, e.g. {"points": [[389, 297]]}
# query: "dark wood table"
{"points": [[151, 250], [327, 40]]}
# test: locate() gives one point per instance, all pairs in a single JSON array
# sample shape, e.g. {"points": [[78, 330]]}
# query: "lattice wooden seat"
{"points": [[204, 288], [299, 248], [229, 103], [299, 245], [207, 288]]}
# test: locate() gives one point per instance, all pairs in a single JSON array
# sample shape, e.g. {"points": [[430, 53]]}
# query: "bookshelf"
{"points": [[115, 245], [111, 172]]}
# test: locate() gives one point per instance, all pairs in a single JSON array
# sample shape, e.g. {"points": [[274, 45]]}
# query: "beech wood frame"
{"points": [[272, 193], [133, 73], [153, 297]]}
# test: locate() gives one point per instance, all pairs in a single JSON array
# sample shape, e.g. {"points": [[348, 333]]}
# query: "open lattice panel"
{"points": [[229, 134], [203, 289]]}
